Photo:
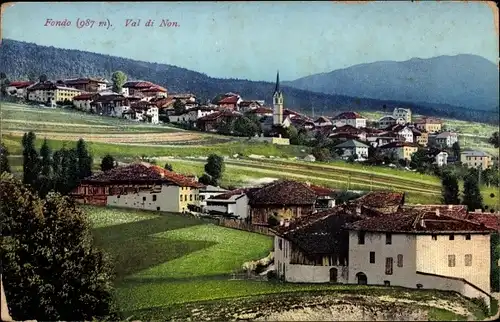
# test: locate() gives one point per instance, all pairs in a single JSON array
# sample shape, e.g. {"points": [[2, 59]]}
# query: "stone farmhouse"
{"points": [[377, 240]]}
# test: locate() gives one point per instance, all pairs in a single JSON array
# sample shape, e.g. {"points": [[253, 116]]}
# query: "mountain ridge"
{"points": [[20, 59], [465, 80]]}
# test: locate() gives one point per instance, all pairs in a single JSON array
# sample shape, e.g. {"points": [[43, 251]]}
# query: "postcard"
{"points": [[267, 161]]}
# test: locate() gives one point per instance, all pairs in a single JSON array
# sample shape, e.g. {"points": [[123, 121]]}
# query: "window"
{"points": [[158, 208], [400, 260], [190, 197], [372, 257], [361, 238], [387, 283], [154, 197], [181, 198], [388, 239], [143, 198], [434, 237], [280, 244], [468, 259], [467, 237], [451, 260], [452, 237], [388, 266], [185, 197]]}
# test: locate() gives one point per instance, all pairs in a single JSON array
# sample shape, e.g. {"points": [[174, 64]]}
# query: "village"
{"points": [[321, 235], [394, 137]]}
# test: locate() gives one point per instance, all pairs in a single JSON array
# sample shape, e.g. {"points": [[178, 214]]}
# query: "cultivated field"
{"points": [[173, 266], [128, 141]]}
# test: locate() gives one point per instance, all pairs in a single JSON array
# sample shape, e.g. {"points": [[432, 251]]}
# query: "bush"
{"points": [[271, 275], [481, 303]]}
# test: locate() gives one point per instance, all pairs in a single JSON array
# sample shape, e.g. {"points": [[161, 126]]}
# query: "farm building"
{"points": [[232, 203], [380, 201], [418, 248], [141, 186], [285, 199]]}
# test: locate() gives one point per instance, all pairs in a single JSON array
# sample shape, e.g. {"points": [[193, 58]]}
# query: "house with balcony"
{"points": [[429, 124], [444, 139], [139, 186], [402, 113]]}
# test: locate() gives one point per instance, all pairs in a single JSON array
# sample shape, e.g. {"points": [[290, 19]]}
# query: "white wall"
{"points": [[432, 257], [407, 134], [167, 199], [237, 205], [359, 258], [314, 274]]}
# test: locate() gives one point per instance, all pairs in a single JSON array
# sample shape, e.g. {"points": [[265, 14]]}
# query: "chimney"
{"points": [[437, 212], [358, 210], [422, 223]]}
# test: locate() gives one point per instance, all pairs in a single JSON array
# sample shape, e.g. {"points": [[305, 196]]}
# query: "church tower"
{"points": [[277, 103]]}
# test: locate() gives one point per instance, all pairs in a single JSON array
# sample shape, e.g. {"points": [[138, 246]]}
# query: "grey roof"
{"points": [[351, 144], [475, 153]]}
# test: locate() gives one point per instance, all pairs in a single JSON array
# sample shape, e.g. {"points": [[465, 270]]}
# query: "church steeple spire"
{"points": [[277, 88]]}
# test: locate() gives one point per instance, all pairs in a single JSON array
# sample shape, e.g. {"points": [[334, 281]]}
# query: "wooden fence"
{"points": [[242, 225]]}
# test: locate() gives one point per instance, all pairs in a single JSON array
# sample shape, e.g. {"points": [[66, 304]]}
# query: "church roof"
{"points": [[277, 88]]}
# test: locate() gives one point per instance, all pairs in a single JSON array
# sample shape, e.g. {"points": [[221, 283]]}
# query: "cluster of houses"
{"points": [[396, 134], [374, 239]]}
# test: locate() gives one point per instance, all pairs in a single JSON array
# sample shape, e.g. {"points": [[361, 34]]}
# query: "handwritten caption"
{"points": [[106, 24]]}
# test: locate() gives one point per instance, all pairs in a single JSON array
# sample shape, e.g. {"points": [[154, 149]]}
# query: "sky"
{"points": [[251, 40]]}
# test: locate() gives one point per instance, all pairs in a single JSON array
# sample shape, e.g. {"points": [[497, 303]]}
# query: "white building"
{"points": [[404, 113], [210, 191], [421, 249], [82, 102], [352, 147], [350, 118], [445, 139], [406, 133], [441, 159], [191, 115], [234, 203]]}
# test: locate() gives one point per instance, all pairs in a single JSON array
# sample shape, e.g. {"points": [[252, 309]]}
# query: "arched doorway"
{"points": [[333, 275], [361, 278]]}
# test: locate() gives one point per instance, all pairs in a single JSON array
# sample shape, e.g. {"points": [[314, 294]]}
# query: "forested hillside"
{"points": [[21, 60]]}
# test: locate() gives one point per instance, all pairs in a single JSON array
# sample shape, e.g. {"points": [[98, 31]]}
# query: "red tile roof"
{"points": [[380, 199], [416, 221], [428, 120], [155, 89], [322, 191], [455, 211], [348, 115], [344, 136], [48, 85], [489, 220], [283, 192], [138, 84], [20, 84], [216, 115], [229, 100], [141, 172]]}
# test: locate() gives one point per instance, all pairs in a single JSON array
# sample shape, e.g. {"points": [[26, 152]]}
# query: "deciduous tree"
{"points": [[215, 167], [51, 270], [118, 78], [168, 167], [107, 163], [494, 140]]}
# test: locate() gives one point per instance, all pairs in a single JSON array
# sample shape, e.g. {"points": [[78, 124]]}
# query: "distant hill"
{"points": [[463, 80], [21, 60]]}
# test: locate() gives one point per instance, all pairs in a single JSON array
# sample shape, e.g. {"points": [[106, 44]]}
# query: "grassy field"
{"points": [[420, 189], [165, 262]]}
